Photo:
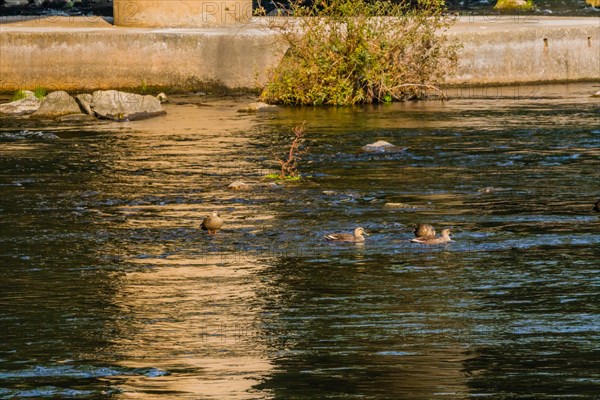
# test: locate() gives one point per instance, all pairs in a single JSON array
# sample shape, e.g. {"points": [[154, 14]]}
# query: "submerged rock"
{"points": [[84, 100], [25, 135], [399, 206], [122, 106], [274, 186], [258, 107], [239, 185], [77, 118], [381, 146], [57, 104], [487, 190]]}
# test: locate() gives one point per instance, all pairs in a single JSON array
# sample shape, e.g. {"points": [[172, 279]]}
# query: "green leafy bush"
{"points": [[344, 52]]}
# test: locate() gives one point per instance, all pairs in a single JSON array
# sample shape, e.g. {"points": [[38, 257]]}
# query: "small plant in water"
{"points": [[289, 166]]}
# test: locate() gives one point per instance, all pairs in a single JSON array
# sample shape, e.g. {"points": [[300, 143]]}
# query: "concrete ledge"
{"points": [[78, 54]]}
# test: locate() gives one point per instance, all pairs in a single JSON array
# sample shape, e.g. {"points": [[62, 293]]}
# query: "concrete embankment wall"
{"points": [[536, 52], [79, 54]]}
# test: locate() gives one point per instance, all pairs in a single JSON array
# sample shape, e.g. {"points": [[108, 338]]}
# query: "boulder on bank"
{"points": [[85, 100], [57, 104], [28, 105], [381, 146], [258, 107], [122, 106]]}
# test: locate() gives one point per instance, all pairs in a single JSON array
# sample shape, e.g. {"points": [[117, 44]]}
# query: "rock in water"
{"points": [[381, 146], [25, 106], [258, 107], [77, 118], [57, 104], [162, 98], [399, 206], [122, 106], [239, 185], [27, 135]]}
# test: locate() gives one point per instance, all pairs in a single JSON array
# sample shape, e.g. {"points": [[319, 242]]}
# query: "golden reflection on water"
{"points": [[193, 311], [196, 320]]}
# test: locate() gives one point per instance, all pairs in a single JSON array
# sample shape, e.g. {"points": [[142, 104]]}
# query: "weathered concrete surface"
{"points": [[181, 13], [79, 54], [519, 49]]}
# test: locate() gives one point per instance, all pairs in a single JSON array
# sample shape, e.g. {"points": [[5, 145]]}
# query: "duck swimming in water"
{"points": [[357, 237], [424, 231], [445, 238]]}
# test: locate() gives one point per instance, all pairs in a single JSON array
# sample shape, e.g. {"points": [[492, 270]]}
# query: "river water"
{"points": [[109, 290]]}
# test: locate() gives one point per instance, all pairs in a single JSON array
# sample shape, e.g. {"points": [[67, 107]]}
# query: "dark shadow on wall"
{"points": [[105, 7], [56, 7]]}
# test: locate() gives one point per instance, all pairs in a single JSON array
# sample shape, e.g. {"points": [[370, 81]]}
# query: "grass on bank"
{"points": [[39, 92]]}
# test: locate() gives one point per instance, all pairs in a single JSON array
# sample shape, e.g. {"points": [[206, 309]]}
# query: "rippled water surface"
{"points": [[109, 290]]}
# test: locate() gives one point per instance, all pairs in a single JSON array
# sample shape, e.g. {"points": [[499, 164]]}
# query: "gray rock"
{"points": [[382, 146], [24, 106], [122, 106], [84, 100], [258, 107], [597, 94], [57, 104]]}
